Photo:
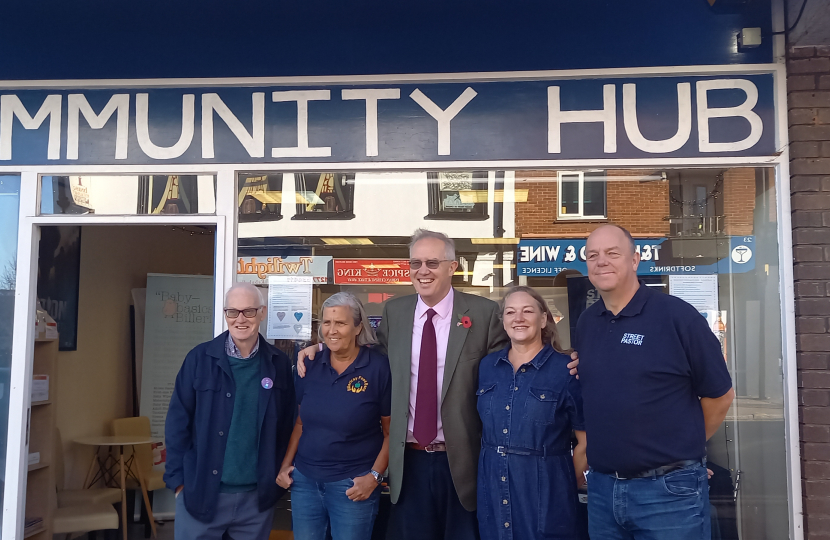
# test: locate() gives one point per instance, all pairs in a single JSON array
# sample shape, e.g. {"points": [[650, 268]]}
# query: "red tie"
{"points": [[426, 400]]}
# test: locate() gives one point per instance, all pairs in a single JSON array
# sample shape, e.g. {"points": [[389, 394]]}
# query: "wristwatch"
{"points": [[377, 475]]}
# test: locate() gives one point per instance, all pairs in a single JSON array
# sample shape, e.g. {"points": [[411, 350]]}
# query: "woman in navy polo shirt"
{"points": [[529, 405], [340, 444]]}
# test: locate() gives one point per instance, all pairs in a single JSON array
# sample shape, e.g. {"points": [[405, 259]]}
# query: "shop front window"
{"points": [[128, 195], [9, 212], [708, 236]]}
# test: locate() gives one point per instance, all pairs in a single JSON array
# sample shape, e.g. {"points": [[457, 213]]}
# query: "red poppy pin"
{"points": [[465, 322]]}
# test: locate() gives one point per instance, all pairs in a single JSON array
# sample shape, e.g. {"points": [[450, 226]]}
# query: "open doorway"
{"points": [[89, 280]]}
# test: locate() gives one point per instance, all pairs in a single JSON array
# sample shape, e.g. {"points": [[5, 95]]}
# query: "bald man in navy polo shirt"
{"points": [[655, 388]]}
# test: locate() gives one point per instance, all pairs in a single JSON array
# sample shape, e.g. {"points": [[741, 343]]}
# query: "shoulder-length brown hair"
{"points": [[549, 332]]}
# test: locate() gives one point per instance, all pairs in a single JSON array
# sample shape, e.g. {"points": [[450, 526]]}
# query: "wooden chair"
{"points": [[143, 459], [75, 497]]}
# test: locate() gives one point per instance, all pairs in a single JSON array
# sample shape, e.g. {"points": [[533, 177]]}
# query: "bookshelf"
{"points": [[40, 485]]}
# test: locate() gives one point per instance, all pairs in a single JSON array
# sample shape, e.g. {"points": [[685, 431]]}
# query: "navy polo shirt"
{"points": [[342, 435], [642, 373]]}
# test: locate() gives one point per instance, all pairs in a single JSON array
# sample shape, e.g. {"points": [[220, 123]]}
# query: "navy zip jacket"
{"points": [[200, 415]]}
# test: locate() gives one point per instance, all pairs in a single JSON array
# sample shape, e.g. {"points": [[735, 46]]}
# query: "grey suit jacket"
{"points": [[465, 349]]}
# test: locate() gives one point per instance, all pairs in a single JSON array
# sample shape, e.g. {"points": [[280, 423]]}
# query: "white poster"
{"points": [[289, 307], [178, 316], [701, 291]]}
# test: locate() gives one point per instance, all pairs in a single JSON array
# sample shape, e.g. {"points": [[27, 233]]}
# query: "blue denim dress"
{"points": [[526, 479]]}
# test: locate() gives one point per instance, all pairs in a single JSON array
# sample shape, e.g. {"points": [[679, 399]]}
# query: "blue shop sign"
{"points": [[620, 117], [658, 256]]}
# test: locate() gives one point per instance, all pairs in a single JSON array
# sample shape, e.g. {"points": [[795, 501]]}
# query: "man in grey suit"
{"points": [[434, 340]]}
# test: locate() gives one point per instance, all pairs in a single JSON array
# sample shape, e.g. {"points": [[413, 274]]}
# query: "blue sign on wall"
{"points": [[658, 256], [598, 118]]}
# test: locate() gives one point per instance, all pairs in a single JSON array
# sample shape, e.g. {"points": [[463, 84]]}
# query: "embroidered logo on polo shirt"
{"points": [[632, 339], [357, 385]]}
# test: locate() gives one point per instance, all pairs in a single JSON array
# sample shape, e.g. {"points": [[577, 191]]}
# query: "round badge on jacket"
{"points": [[267, 383]]}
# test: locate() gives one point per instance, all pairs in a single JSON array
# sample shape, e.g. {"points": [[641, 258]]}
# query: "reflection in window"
{"points": [[128, 195], [457, 195], [9, 212], [324, 195], [260, 197], [172, 194], [697, 201], [581, 194], [706, 235]]}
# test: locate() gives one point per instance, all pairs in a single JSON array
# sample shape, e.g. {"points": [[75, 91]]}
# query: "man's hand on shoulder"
{"points": [[574, 363], [307, 353]]}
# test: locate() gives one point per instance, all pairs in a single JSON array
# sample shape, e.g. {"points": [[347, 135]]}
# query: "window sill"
{"points": [[258, 218], [570, 219], [322, 216], [457, 217]]}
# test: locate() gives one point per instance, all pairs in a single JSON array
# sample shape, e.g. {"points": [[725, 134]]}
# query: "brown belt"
{"points": [[434, 447]]}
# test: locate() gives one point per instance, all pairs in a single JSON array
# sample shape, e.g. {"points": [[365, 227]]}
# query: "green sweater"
{"points": [[239, 472]]}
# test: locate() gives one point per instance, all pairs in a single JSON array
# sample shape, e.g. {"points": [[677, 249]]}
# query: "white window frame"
{"points": [[581, 215], [28, 236]]}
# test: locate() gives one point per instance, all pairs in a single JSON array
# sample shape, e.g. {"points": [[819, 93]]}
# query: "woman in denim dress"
{"points": [[529, 406]]}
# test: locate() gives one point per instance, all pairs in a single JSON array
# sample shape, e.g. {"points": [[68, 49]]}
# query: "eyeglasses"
{"points": [[432, 264], [249, 313]]}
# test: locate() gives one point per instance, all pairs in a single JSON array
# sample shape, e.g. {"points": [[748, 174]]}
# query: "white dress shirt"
{"points": [[442, 321]]}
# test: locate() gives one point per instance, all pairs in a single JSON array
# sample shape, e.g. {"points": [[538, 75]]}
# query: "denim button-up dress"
{"points": [[526, 480]]}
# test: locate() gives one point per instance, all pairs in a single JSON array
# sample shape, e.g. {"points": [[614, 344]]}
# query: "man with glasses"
{"points": [[228, 426], [434, 340]]}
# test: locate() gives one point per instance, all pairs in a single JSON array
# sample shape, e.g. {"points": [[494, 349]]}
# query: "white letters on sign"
{"points": [[142, 128], [506, 123], [302, 97], [607, 115], [254, 143], [684, 121], [704, 113], [444, 117], [77, 105], [10, 106], [371, 95]]}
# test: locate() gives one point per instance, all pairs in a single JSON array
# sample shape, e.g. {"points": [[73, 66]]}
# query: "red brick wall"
{"points": [[808, 99], [738, 201], [639, 206]]}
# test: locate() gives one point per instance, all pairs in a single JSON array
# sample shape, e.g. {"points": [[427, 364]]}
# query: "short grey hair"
{"points": [[249, 287], [449, 243], [346, 299]]}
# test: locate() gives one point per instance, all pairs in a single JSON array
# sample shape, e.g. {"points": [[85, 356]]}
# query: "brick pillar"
{"points": [[808, 100]]}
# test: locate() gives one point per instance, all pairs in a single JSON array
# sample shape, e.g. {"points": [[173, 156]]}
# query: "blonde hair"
{"points": [[549, 332]]}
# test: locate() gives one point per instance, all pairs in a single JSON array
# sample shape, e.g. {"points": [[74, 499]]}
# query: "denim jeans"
{"points": [[317, 507], [237, 514], [674, 506]]}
